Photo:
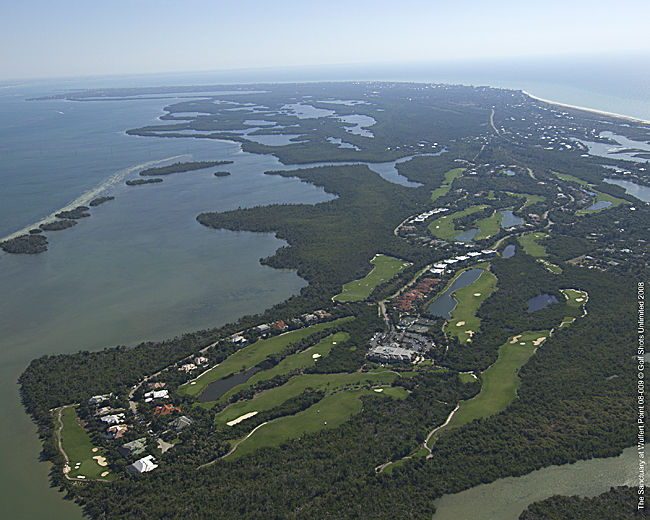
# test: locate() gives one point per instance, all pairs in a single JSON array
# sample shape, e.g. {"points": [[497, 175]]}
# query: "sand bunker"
{"points": [[514, 340], [580, 299], [100, 460], [522, 342], [316, 356], [470, 332], [241, 418], [477, 294], [95, 450], [379, 389], [539, 341], [105, 473], [460, 324]]}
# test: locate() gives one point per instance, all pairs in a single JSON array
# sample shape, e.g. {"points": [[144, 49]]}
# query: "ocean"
{"points": [[140, 267]]}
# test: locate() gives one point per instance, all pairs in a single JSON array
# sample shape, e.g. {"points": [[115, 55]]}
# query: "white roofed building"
{"points": [[144, 465]]}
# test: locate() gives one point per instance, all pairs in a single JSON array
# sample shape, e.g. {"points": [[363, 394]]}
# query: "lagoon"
{"points": [[636, 190]]}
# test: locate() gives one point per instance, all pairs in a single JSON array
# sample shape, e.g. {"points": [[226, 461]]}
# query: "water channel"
{"points": [[636, 190], [506, 498]]}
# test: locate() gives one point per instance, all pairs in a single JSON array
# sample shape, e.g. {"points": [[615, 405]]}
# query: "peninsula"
{"points": [[358, 397]]}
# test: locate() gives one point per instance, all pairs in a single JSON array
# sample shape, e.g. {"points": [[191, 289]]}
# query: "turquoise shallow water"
{"points": [[140, 268]]}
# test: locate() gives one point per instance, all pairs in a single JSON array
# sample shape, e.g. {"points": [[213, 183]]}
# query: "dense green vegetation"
{"points": [[100, 200], [182, 167], [570, 400], [25, 244], [367, 210], [76, 213], [139, 182], [58, 225]]}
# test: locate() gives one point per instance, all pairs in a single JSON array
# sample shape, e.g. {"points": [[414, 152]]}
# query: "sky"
{"points": [[47, 39]]}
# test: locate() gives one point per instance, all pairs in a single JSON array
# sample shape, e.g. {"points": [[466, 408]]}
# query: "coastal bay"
{"points": [[124, 240]]}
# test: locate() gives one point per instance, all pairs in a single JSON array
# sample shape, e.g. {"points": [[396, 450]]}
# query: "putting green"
{"points": [[332, 411], [488, 226], [464, 323], [296, 361], [84, 462], [500, 381], [446, 185], [252, 355], [296, 386], [531, 247], [444, 226], [385, 268]]}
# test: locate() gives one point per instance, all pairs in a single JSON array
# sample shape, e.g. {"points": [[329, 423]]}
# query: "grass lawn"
{"points": [[551, 267], [444, 227], [489, 226], [530, 199], [296, 386], [463, 321], [251, 356], [570, 178], [468, 378], [500, 381], [79, 449], [385, 268], [446, 185], [332, 411], [295, 361], [574, 297], [531, 247]]}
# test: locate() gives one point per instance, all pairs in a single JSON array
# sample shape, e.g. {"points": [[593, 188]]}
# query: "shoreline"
{"points": [[629, 119]]}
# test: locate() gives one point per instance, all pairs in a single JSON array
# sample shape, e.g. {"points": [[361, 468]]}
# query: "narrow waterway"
{"points": [[506, 498]]}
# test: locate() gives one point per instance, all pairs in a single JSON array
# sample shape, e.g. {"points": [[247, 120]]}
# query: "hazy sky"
{"points": [[40, 39]]}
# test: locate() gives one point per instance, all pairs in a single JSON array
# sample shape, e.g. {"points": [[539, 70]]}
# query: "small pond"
{"points": [[509, 220], [467, 235], [509, 251], [509, 173], [601, 204], [540, 302], [219, 388], [444, 304]]}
